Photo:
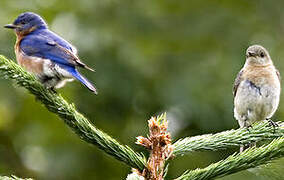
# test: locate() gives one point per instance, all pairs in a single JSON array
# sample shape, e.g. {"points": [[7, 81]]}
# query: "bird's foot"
{"points": [[246, 146], [52, 89], [273, 124], [247, 127]]}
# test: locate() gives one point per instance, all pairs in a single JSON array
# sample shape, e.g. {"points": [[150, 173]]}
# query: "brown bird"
{"points": [[256, 89]]}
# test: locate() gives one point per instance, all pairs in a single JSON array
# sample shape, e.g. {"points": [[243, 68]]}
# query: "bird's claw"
{"points": [[247, 127], [273, 124], [52, 89]]}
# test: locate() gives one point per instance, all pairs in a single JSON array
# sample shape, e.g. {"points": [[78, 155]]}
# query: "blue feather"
{"points": [[80, 77]]}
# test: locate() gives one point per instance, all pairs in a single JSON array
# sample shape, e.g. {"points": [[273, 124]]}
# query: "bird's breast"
{"points": [[17, 47], [31, 64], [262, 76]]}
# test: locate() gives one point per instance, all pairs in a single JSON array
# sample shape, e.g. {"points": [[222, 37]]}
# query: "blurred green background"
{"points": [[150, 56]]}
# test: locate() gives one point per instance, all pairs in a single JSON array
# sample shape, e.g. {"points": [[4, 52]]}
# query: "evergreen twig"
{"points": [[250, 158], [76, 121], [231, 138], [13, 178]]}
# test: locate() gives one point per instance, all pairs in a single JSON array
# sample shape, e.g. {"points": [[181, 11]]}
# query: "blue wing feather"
{"points": [[48, 45], [42, 47], [54, 37]]}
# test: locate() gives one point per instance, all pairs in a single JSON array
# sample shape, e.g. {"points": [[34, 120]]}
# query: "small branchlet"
{"points": [[250, 158], [13, 177], [159, 145]]}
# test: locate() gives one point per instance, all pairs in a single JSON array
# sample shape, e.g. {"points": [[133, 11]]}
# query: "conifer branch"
{"points": [[231, 138], [68, 113], [13, 178], [250, 158], [89, 133]]}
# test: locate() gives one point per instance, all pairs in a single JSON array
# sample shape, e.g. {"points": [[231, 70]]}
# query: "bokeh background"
{"points": [[150, 57]]}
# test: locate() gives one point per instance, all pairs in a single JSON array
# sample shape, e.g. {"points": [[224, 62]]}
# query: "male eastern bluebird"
{"points": [[40, 51], [256, 89]]}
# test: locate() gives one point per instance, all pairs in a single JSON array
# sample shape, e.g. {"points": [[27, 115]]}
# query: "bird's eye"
{"points": [[262, 54]]}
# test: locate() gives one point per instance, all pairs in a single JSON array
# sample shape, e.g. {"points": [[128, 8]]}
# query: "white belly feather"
{"points": [[255, 103]]}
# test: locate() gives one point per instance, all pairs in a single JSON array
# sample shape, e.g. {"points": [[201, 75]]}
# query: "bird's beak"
{"points": [[10, 26]]}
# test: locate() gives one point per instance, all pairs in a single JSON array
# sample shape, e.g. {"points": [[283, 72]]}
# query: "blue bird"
{"points": [[42, 52]]}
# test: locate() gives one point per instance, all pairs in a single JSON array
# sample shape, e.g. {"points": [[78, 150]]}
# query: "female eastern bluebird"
{"points": [[256, 89], [42, 52]]}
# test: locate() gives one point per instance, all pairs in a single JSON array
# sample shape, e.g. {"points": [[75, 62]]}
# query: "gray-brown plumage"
{"points": [[256, 89]]}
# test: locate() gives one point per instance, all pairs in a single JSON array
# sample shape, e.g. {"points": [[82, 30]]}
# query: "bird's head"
{"points": [[26, 23], [258, 56]]}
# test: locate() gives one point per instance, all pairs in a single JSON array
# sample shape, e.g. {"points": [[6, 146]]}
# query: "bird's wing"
{"points": [[237, 82], [62, 42], [44, 47]]}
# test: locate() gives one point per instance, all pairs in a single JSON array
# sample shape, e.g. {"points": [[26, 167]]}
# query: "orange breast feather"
{"points": [[31, 64]]}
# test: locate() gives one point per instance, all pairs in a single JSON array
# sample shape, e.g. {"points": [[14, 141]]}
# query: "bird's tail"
{"points": [[84, 81]]}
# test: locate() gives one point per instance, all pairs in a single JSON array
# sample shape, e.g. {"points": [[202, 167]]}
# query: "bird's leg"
{"points": [[242, 148], [246, 146], [253, 144], [53, 90], [247, 125], [49, 82]]}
